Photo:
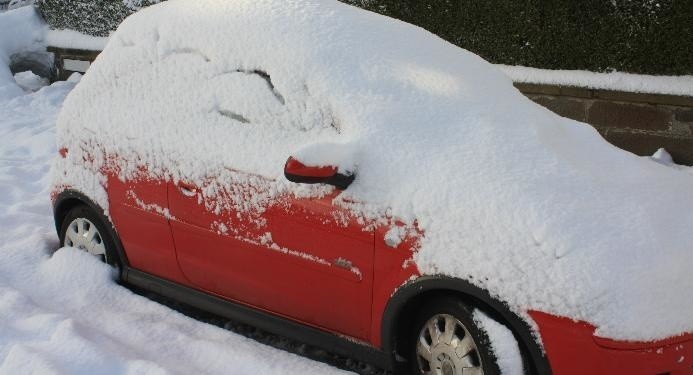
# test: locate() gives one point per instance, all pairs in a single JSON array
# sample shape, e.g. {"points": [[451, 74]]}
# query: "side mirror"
{"points": [[295, 171]]}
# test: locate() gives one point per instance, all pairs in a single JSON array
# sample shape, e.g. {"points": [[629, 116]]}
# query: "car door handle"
{"points": [[347, 269], [343, 263], [187, 189]]}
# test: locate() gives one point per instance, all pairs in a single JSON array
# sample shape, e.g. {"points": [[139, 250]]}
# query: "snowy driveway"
{"points": [[64, 313]]}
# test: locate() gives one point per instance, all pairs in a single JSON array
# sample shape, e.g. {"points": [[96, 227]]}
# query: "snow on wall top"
{"points": [[537, 209], [74, 39], [617, 81]]}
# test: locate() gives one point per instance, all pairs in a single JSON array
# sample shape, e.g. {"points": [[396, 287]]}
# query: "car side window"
{"points": [[250, 97]]}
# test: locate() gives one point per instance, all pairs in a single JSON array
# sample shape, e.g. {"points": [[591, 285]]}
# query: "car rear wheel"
{"points": [[445, 340], [84, 229]]}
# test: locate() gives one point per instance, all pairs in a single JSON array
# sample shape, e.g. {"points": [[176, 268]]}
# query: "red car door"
{"points": [[305, 259], [139, 210]]}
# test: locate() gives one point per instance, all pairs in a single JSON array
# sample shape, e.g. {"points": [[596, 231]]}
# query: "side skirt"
{"points": [[260, 319]]}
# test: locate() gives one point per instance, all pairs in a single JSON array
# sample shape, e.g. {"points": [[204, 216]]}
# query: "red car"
{"points": [[232, 173]]}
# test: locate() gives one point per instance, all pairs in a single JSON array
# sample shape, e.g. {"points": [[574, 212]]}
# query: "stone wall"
{"points": [[640, 123]]}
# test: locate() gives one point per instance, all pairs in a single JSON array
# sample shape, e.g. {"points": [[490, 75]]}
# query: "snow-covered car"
{"points": [[354, 181]]}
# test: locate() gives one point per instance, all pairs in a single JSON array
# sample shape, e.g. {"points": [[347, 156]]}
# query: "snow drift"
{"points": [[21, 30], [537, 209]]}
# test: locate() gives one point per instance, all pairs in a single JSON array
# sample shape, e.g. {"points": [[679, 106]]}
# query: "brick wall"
{"points": [[640, 123]]}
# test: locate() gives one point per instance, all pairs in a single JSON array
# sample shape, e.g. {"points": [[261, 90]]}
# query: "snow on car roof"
{"points": [[536, 208]]}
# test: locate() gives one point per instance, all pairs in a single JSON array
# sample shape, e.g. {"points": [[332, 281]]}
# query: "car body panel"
{"points": [[176, 237], [572, 348], [138, 208], [394, 266], [302, 258]]}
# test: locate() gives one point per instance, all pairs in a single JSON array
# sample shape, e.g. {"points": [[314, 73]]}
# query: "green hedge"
{"points": [[92, 17], [638, 36]]}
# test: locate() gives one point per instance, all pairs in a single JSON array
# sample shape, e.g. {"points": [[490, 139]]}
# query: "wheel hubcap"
{"points": [[445, 347], [82, 234]]}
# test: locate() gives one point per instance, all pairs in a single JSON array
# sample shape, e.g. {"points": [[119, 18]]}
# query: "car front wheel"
{"points": [[84, 229], [446, 341]]}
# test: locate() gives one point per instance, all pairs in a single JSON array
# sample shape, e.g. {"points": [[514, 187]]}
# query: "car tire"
{"points": [[445, 338], [87, 230]]}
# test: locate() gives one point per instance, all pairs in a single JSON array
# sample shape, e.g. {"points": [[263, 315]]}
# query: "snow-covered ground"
{"points": [[63, 313]]}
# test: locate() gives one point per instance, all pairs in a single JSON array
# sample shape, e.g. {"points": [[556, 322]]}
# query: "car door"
{"points": [[243, 235], [306, 259], [138, 207]]}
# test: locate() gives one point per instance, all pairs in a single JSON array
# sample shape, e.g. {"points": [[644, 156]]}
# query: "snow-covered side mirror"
{"points": [[296, 171]]}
